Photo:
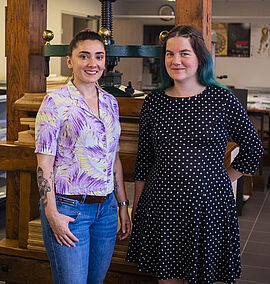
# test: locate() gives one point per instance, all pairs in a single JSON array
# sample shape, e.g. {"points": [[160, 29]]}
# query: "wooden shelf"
{"points": [[11, 247]]}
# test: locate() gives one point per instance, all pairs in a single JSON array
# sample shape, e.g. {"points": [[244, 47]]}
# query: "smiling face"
{"points": [[180, 60], [87, 62]]}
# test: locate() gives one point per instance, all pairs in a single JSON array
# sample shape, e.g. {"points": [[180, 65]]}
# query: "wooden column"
{"points": [[25, 23], [197, 13], [25, 184]]}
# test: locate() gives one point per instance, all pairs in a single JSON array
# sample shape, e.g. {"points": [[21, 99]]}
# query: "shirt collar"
{"points": [[75, 93], [80, 102]]}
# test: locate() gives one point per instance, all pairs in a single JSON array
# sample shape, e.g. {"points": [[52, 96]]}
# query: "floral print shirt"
{"points": [[84, 146]]}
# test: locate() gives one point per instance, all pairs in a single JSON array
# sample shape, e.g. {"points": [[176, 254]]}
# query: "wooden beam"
{"points": [[17, 157], [25, 184], [25, 23], [197, 13]]}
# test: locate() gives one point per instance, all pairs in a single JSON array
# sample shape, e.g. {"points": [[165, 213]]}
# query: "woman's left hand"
{"points": [[125, 223], [233, 174]]}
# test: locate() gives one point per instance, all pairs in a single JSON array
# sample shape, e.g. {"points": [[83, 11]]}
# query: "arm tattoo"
{"points": [[116, 186], [43, 185]]}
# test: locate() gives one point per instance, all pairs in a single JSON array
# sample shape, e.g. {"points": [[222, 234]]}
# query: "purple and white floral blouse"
{"points": [[84, 146]]}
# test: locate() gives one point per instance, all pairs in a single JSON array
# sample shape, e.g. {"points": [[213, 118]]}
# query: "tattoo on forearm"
{"points": [[116, 186], [51, 177], [43, 185]]}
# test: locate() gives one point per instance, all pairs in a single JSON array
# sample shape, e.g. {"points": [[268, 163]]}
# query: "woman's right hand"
{"points": [[58, 222], [59, 225]]}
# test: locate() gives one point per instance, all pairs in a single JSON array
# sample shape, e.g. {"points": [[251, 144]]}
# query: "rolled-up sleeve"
{"points": [[47, 127], [244, 134]]}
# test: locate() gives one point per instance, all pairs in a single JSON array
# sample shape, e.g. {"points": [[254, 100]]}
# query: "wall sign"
{"points": [[233, 39], [260, 39]]}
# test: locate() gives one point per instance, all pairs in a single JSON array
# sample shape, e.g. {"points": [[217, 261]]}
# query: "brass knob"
{"points": [[105, 34], [163, 35], [48, 36]]}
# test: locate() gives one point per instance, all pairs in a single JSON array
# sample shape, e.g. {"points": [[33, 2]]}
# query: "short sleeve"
{"points": [[145, 155], [244, 134], [47, 127]]}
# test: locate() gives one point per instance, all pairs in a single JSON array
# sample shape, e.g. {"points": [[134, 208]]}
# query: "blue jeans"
{"points": [[95, 226]]}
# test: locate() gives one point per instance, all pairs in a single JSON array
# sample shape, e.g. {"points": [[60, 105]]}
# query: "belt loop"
{"points": [[83, 198]]}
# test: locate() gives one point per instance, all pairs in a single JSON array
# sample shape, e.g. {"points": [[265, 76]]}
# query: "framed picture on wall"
{"points": [[239, 40], [222, 38], [233, 39]]}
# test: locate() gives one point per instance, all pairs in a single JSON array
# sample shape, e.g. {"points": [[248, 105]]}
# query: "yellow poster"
{"points": [[221, 44]]}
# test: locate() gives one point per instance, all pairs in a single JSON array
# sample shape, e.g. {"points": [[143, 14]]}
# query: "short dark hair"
{"points": [[205, 71], [81, 36]]}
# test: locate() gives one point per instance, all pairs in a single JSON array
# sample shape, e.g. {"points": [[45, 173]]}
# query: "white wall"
{"points": [[251, 71], [140, 7]]}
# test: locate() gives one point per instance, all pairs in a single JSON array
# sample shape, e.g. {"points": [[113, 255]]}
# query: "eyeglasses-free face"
{"points": [[180, 60], [87, 62]]}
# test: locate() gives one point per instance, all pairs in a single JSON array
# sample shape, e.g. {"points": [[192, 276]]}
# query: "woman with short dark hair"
{"points": [[79, 170]]}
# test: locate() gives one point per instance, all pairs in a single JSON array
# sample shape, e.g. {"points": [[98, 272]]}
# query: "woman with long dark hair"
{"points": [[185, 227]]}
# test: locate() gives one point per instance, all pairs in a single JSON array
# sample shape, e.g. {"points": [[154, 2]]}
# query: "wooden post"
{"points": [[25, 185], [197, 13], [25, 23]]}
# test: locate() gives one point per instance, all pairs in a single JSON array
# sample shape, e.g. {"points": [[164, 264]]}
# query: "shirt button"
{"points": [[104, 155], [104, 170]]}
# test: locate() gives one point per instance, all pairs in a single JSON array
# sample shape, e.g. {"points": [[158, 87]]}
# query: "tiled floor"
{"points": [[255, 238]]}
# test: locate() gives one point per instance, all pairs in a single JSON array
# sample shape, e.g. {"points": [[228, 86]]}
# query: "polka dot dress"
{"points": [[186, 223]]}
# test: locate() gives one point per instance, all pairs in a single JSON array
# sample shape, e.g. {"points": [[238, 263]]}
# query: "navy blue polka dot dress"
{"points": [[186, 223]]}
